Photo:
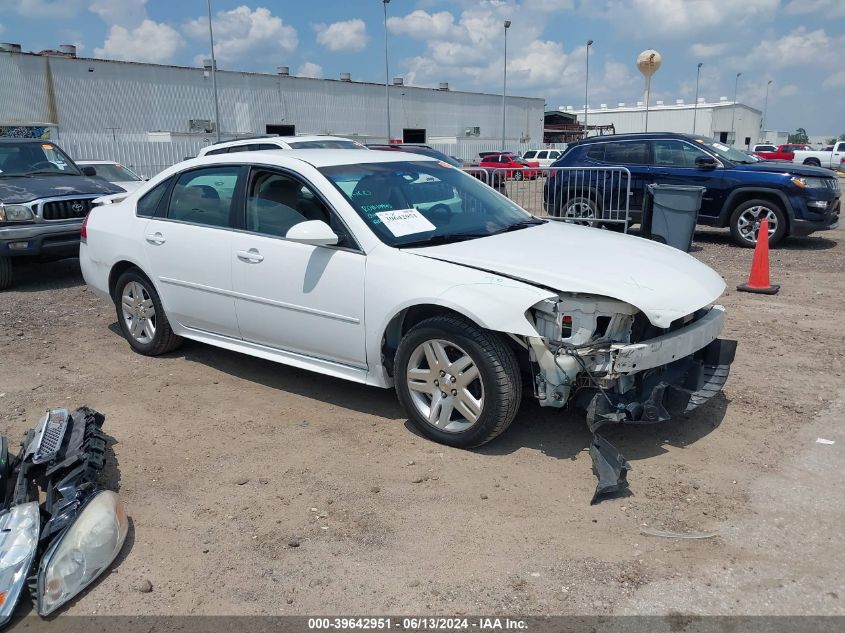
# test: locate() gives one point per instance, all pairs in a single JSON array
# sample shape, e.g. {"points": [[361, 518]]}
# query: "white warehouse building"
{"points": [[725, 121], [150, 116]]}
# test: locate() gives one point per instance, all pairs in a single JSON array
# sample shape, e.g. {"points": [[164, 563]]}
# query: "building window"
{"points": [[411, 135], [281, 130]]}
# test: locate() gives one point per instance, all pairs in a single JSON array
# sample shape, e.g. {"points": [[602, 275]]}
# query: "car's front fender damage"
{"points": [[599, 355]]}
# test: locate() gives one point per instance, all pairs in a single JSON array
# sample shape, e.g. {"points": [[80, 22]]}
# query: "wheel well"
{"points": [[117, 270], [812, 161]]}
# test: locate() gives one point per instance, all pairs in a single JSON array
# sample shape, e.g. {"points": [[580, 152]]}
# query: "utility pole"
{"points": [[733, 111], [695, 104], [386, 71], [214, 77], [505, 82], [587, 87]]}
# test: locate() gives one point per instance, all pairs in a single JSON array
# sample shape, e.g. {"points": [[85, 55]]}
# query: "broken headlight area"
{"points": [[620, 369], [58, 547]]}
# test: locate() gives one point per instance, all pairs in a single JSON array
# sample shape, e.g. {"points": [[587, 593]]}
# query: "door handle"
{"points": [[252, 256], [155, 238]]}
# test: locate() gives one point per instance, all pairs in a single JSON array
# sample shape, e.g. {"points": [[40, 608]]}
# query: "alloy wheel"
{"points": [[445, 385], [748, 223], [139, 312]]}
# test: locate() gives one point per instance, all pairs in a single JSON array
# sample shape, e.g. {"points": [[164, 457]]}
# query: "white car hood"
{"points": [[661, 281]]}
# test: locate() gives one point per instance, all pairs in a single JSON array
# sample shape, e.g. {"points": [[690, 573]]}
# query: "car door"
{"points": [[290, 296], [673, 163], [633, 155], [187, 245]]}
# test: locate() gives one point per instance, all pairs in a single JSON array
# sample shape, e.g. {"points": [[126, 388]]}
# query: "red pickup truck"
{"points": [[783, 152]]}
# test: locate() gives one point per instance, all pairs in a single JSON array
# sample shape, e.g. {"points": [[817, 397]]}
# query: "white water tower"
{"points": [[648, 63]]}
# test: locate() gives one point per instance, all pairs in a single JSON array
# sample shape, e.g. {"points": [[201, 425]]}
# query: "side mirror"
{"points": [[706, 162], [314, 232], [87, 170]]}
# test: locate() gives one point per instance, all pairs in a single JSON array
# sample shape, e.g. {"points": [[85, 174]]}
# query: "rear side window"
{"points": [[531, 154], [217, 151], [204, 196], [263, 146], [148, 203], [543, 154], [627, 153], [596, 151]]}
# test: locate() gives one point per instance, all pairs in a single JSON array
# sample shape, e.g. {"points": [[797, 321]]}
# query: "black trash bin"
{"points": [[670, 214]]}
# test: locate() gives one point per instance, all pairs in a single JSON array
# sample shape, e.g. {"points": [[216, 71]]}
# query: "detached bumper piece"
{"points": [[77, 531], [676, 389]]}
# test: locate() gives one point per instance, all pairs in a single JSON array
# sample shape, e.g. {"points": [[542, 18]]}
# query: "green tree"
{"points": [[800, 136], [830, 141], [842, 137]]}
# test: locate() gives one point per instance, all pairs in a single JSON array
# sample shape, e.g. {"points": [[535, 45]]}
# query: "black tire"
{"points": [[164, 339], [5, 272], [813, 162], [497, 368], [581, 201], [766, 207]]}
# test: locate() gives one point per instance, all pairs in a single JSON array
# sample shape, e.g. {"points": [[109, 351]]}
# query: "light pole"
{"points": [[505, 82], [765, 105], [733, 111], [695, 103], [587, 87], [386, 72], [214, 78]]}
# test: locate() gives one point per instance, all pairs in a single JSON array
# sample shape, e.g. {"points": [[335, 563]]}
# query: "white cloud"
{"points": [[828, 8], [704, 51], [242, 33], [149, 42], [422, 25], [46, 9], [349, 35], [128, 13], [310, 69], [797, 48], [548, 6], [836, 80], [679, 18]]}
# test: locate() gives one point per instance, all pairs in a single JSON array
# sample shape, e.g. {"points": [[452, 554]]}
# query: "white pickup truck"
{"points": [[832, 159]]}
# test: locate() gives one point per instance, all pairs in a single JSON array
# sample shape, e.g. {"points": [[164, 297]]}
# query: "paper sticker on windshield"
{"points": [[724, 148], [405, 222]]}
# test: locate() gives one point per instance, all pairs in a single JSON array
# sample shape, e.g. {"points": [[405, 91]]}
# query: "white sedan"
{"points": [[361, 265], [115, 173]]}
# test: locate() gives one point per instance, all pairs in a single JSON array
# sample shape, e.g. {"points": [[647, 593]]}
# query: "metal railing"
{"points": [[592, 196]]}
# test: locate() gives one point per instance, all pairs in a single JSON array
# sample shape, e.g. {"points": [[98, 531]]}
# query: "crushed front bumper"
{"points": [[658, 395]]}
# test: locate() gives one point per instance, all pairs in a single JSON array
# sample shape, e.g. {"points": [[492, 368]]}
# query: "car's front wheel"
{"points": [[746, 218], [141, 315], [581, 210], [459, 384]]}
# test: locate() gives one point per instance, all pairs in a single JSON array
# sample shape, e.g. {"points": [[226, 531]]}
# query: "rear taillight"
{"points": [[83, 235]]}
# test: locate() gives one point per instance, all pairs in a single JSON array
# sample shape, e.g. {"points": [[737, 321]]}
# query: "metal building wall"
{"points": [[100, 104]]}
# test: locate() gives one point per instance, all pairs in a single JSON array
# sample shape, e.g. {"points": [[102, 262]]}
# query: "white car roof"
{"points": [[282, 141], [315, 157]]}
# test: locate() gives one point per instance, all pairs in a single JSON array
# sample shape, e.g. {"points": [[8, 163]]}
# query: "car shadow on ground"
{"points": [[807, 243], [28, 276]]}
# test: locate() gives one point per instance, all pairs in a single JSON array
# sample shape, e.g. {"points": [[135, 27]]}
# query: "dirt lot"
{"points": [[254, 488]]}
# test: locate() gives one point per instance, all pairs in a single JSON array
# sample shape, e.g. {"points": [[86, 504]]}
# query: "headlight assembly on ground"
{"points": [[83, 552], [19, 529]]}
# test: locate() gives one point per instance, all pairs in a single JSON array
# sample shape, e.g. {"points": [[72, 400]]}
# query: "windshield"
{"points": [[114, 172], [27, 158], [433, 153], [726, 152], [418, 203], [327, 144]]}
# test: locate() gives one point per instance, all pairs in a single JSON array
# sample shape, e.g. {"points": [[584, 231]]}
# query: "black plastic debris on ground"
{"points": [[610, 468]]}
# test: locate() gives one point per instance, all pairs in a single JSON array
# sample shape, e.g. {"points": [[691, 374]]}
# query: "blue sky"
{"points": [[799, 44]]}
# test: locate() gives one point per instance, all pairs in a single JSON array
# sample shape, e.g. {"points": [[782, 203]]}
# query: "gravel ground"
{"points": [[254, 488]]}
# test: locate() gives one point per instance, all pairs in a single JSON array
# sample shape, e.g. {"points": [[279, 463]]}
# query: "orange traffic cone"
{"points": [[758, 279]]}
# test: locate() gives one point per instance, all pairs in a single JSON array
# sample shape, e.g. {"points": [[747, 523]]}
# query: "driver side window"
{"points": [[276, 201]]}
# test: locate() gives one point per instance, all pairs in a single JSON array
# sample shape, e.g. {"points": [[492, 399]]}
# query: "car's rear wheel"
{"points": [[141, 315], [5, 272], [813, 162], [518, 175], [459, 384], [746, 218], [581, 210]]}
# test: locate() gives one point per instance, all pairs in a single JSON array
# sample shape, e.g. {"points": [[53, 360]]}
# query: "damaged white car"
{"points": [[396, 270]]}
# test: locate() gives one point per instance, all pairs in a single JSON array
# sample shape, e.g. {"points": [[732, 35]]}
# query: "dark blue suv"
{"points": [[740, 191]]}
